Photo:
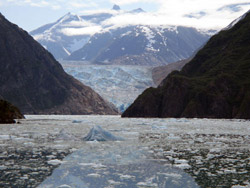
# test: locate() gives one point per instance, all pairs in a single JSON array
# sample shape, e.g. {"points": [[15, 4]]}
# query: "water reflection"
{"points": [[114, 164]]}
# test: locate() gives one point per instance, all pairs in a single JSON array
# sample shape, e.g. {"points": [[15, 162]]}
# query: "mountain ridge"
{"points": [[214, 84], [63, 39], [141, 45], [36, 83]]}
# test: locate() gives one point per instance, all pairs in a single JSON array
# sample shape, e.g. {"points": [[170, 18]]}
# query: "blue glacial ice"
{"points": [[99, 134]]}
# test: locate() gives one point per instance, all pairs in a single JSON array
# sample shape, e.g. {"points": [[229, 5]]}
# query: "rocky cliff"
{"points": [[214, 84], [8, 112], [36, 83]]}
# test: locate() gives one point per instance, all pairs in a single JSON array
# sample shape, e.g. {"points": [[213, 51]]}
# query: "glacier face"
{"points": [[117, 84]]}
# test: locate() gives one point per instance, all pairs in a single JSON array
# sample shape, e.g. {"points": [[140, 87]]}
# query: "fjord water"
{"points": [[98, 165], [154, 152], [151, 154]]}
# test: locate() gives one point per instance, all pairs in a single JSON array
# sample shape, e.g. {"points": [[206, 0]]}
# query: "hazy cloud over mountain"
{"points": [[197, 13]]}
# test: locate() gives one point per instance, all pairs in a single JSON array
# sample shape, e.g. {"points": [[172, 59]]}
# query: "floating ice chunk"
{"points": [[126, 177], [76, 121], [183, 166], [64, 186], [112, 182], [55, 162], [98, 134], [5, 137], [22, 139], [29, 144], [240, 186], [94, 175], [181, 163], [3, 167], [146, 184], [155, 127]]}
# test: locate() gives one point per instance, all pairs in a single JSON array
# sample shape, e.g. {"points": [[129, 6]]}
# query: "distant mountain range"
{"points": [[141, 45], [87, 38], [36, 83], [71, 32], [214, 84]]}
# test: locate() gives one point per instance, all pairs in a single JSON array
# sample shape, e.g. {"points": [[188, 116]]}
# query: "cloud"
{"points": [[234, 7], [125, 2], [98, 11], [80, 4], [81, 31], [197, 13], [55, 4]]}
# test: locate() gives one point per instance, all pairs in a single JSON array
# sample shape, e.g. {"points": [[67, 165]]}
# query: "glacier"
{"points": [[118, 84]]}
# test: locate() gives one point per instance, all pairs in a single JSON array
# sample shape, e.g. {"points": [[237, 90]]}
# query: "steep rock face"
{"points": [[8, 112], [141, 45], [214, 84], [36, 83], [159, 73]]}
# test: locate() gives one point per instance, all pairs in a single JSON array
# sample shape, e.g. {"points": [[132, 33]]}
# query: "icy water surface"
{"points": [[153, 153]]}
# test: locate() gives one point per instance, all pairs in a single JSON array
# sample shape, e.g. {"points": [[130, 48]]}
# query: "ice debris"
{"points": [[76, 121], [63, 135]]}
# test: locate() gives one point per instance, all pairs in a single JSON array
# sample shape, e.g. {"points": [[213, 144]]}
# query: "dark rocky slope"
{"points": [[36, 83], [8, 112], [214, 84], [160, 73]]}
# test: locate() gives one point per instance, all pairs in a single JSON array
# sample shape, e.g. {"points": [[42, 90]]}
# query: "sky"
{"points": [[214, 14]]}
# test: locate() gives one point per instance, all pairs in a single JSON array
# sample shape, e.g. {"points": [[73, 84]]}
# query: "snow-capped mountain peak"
{"points": [[71, 32], [69, 17], [141, 45], [67, 34], [116, 7], [138, 10]]}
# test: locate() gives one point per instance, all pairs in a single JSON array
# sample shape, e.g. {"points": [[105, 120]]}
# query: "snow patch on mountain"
{"points": [[236, 21], [66, 51], [127, 33], [141, 45], [77, 44], [150, 35]]}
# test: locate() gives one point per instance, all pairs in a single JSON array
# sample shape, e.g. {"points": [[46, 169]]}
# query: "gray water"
{"points": [[153, 153]]}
